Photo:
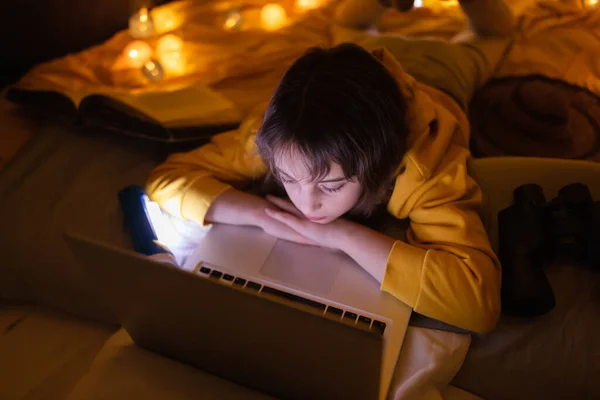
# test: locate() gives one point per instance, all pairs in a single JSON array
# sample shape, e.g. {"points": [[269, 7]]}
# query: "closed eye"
{"points": [[333, 190], [282, 179]]}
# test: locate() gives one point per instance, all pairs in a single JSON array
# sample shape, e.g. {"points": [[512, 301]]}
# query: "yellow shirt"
{"points": [[446, 269]]}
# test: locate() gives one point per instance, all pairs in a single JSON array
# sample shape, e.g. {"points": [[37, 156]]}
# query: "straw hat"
{"points": [[537, 117]]}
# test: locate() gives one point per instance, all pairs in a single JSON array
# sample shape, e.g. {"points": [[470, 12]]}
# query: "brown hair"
{"points": [[338, 105]]}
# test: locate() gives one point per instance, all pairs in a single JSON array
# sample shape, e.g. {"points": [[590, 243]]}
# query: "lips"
{"points": [[315, 218]]}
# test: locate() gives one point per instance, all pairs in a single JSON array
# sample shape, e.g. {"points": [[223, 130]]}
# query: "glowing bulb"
{"points": [[169, 44], [305, 5], [169, 50], [165, 20], [449, 3], [137, 53], [153, 71], [141, 25], [591, 3], [273, 16], [233, 21], [173, 63]]}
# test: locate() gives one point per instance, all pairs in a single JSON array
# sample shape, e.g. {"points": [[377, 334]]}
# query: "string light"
{"points": [[273, 16], [169, 50], [153, 71], [137, 53], [449, 3], [233, 20], [141, 25], [165, 20], [305, 5], [173, 63], [168, 44]]}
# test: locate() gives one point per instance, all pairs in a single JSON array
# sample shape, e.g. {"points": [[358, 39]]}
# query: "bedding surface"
{"points": [[554, 356], [62, 180], [43, 354], [56, 178], [16, 130], [557, 39]]}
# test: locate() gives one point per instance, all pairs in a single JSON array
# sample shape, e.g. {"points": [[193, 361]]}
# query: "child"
{"points": [[345, 131]]}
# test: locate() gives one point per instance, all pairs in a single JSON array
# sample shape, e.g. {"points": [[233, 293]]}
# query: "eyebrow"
{"points": [[325, 181]]}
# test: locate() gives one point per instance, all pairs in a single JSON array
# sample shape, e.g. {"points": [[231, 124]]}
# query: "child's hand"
{"points": [[322, 234], [281, 230]]}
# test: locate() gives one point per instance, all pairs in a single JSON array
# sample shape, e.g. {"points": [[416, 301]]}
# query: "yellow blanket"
{"points": [[243, 64], [557, 38]]}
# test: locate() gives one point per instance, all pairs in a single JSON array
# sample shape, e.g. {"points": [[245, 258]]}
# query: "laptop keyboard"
{"points": [[347, 316]]}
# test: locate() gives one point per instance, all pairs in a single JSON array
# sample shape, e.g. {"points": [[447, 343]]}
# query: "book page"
{"points": [[190, 106]]}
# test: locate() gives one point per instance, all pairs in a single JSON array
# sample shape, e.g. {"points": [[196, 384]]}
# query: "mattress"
{"points": [[63, 180], [555, 356]]}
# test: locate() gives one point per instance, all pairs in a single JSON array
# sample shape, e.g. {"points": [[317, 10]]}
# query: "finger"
{"points": [[286, 218], [284, 232], [285, 205]]}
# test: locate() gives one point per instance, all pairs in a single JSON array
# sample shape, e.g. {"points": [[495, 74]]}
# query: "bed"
{"points": [[57, 177]]}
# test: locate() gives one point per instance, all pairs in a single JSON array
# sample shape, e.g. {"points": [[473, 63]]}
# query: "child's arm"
{"points": [[187, 185], [446, 270], [200, 185]]}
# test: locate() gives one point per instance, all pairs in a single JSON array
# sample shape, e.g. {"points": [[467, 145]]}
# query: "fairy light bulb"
{"points": [[591, 3], [165, 20], [273, 16], [153, 71], [169, 44], [141, 25], [173, 63], [449, 3], [137, 53], [170, 53], [305, 5], [233, 20]]}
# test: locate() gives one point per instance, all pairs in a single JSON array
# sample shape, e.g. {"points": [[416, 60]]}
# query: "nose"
{"points": [[309, 201]]}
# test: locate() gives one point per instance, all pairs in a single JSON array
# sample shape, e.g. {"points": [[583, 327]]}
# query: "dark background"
{"points": [[33, 31]]}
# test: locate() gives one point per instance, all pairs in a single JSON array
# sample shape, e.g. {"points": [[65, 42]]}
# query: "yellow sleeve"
{"points": [[446, 269], [186, 184]]}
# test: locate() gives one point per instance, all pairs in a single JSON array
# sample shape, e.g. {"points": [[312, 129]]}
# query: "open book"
{"points": [[190, 114]]}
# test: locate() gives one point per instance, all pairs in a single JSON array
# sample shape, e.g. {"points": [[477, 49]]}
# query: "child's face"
{"points": [[320, 201]]}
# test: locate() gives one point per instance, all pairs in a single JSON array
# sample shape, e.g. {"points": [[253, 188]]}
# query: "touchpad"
{"points": [[309, 268]]}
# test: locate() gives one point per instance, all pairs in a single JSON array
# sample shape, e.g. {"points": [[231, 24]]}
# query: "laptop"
{"points": [[290, 320]]}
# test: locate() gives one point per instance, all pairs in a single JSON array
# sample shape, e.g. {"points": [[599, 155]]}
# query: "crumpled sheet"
{"points": [[245, 65], [558, 38]]}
